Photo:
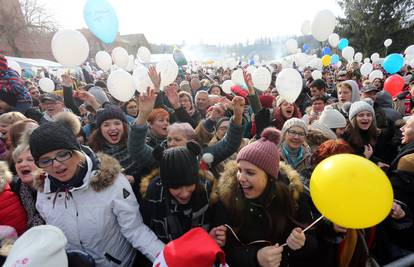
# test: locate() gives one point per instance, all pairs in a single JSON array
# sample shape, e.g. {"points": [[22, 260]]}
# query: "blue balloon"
{"points": [[334, 59], [343, 43], [306, 48], [393, 63], [326, 51], [101, 19], [251, 62]]}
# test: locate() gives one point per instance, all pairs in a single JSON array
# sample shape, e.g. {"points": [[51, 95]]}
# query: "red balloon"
{"points": [[394, 84]]}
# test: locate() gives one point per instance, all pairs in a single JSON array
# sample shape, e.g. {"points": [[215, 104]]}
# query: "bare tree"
{"points": [[21, 19]]}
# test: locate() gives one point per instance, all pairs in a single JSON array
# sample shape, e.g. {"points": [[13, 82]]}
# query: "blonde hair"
{"points": [[19, 150], [5, 175], [11, 117]]}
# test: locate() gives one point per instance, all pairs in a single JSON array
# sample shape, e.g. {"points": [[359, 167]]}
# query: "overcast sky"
{"points": [[210, 21]]}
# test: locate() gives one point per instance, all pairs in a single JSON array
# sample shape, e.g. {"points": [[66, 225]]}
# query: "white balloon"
{"points": [[121, 85], [366, 69], [409, 50], [289, 84], [367, 60], [256, 58], [141, 79], [70, 48], [168, 70], [226, 86], [323, 25], [316, 63], [262, 78], [375, 74], [348, 53], [387, 42], [333, 39], [375, 57], [131, 64], [103, 60], [306, 27], [144, 54], [412, 63], [15, 66], [237, 78], [316, 74], [47, 85], [120, 57], [358, 57], [300, 59], [339, 64], [251, 69], [292, 45]]}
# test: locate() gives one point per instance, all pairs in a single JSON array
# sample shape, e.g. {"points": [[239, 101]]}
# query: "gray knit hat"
{"points": [[332, 118], [358, 107], [294, 122]]}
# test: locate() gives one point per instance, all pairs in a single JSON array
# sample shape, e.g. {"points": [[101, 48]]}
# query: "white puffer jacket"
{"points": [[101, 217]]}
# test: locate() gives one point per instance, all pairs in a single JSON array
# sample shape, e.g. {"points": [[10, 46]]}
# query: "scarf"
{"points": [[120, 152], [294, 157]]}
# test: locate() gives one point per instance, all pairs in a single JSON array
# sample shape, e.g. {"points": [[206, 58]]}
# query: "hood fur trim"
{"points": [[227, 184]]}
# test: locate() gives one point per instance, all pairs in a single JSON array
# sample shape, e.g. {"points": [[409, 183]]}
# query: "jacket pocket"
{"points": [[111, 258]]}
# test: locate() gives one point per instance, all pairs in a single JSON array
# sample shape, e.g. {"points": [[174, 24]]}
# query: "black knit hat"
{"points": [[179, 166], [51, 136], [110, 112]]}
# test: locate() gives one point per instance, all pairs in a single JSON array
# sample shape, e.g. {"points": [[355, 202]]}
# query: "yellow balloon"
{"points": [[326, 60], [351, 191]]}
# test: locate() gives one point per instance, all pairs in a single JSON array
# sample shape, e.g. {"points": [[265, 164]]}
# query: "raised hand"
{"points": [[155, 78], [146, 105], [88, 98], [172, 96], [238, 109], [66, 80], [248, 81]]}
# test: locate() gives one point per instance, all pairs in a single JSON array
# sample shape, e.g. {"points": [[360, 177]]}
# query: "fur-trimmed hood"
{"points": [[227, 184], [102, 178]]}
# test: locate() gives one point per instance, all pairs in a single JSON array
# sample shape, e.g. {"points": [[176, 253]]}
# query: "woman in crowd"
{"points": [[6, 121], [261, 204], [216, 89], [89, 199], [131, 108]]}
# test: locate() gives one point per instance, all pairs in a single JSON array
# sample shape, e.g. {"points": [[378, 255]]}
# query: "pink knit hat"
{"points": [[264, 153]]}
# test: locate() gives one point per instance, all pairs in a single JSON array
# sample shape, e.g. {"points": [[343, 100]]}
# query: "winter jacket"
{"points": [[142, 152], [256, 224], [11, 211], [384, 100], [101, 217], [304, 163]]}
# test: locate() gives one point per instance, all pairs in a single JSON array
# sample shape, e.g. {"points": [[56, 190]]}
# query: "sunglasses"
{"points": [[61, 156]]}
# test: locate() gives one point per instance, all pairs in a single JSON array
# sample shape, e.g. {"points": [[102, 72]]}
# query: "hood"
{"points": [[227, 184], [384, 99], [355, 90], [102, 178]]}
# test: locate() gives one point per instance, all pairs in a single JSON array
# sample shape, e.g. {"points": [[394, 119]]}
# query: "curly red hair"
{"points": [[330, 148], [157, 113]]}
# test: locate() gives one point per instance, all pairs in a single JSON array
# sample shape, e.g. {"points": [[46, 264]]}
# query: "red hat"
{"points": [[193, 249], [266, 101]]}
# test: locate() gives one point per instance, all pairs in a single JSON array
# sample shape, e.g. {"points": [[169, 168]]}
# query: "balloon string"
{"points": [[309, 227]]}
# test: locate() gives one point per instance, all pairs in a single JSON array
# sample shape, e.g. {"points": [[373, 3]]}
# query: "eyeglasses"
{"points": [[293, 133], [61, 156]]}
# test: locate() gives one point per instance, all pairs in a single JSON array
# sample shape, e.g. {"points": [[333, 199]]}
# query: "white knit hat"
{"points": [[358, 107], [40, 246], [332, 118], [294, 122]]}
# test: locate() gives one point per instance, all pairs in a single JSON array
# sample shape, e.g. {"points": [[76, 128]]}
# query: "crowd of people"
{"points": [[122, 179]]}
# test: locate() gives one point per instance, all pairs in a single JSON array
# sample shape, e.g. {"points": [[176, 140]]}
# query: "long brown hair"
{"points": [[355, 138], [97, 141]]}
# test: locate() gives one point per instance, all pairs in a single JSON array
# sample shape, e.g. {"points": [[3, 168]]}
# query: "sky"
{"points": [[208, 22]]}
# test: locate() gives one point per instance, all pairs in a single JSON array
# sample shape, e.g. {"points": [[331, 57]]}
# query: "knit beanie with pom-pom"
{"points": [[263, 153]]}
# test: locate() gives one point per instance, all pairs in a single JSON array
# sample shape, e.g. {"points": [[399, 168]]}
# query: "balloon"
{"points": [[144, 55], [376, 74], [351, 191], [70, 48], [394, 84], [306, 48], [47, 85], [393, 63], [292, 45], [326, 60], [409, 50], [289, 84], [348, 53], [101, 19], [120, 57], [306, 27], [333, 39], [316, 74], [300, 59], [323, 25], [326, 51], [141, 79], [343, 43], [358, 57], [251, 69], [179, 57], [339, 64], [103, 60], [131, 65], [366, 69], [237, 78], [387, 42], [334, 59], [121, 85], [261, 78], [411, 63], [375, 57], [168, 70], [367, 60], [226, 86], [15, 66]]}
